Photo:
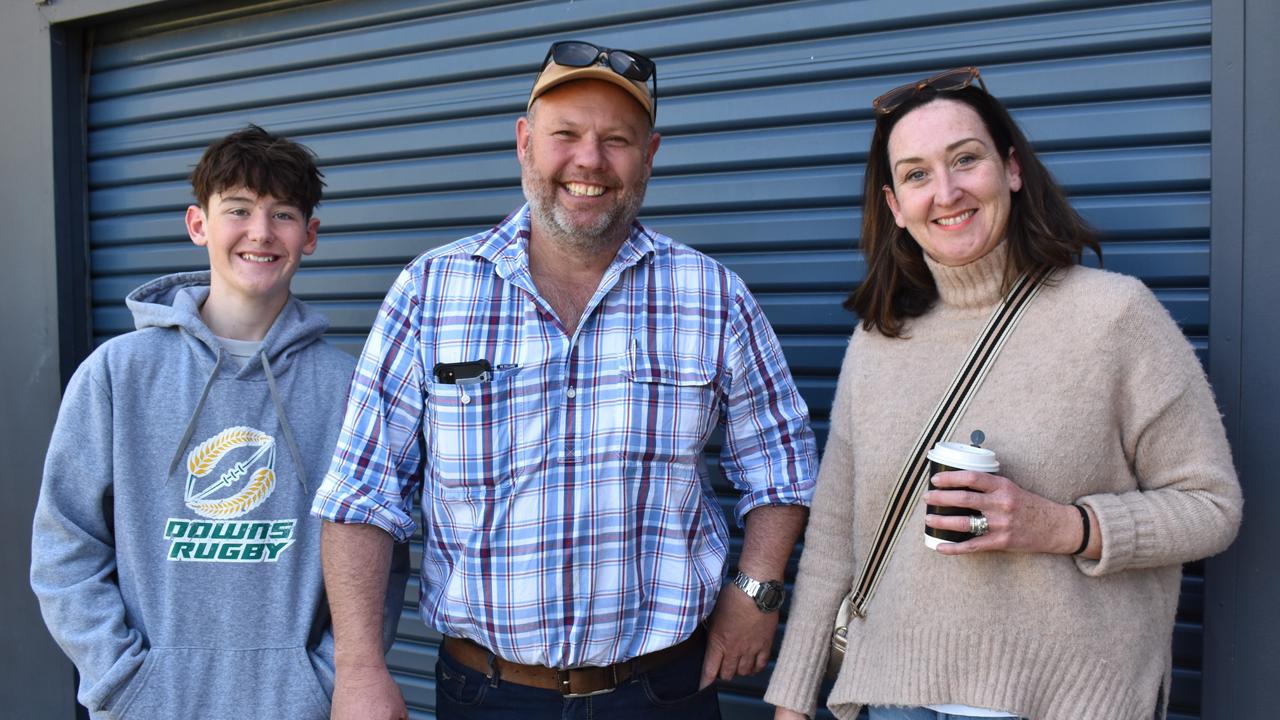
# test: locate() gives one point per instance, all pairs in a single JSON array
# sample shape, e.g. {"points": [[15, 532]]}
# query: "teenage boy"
{"points": [[172, 551]]}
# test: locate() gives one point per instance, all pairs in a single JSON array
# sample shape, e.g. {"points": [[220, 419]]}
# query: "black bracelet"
{"points": [[1084, 518]]}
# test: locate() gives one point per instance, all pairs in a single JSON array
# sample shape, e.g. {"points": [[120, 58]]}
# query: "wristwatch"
{"points": [[768, 594]]}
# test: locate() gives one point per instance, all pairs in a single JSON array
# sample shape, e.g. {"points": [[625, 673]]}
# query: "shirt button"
{"points": [[465, 399], [572, 393]]}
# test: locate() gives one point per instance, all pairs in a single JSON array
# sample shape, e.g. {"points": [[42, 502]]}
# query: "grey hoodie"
{"points": [[172, 550]]}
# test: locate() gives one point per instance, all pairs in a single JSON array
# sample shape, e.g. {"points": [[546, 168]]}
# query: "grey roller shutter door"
{"points": [[764, 109]]}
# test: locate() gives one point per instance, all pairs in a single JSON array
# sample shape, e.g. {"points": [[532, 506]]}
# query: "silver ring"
{"points": [[978, 525]]}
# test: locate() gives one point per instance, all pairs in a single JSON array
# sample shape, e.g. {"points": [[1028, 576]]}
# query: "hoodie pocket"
{"points": [[221, 684]]}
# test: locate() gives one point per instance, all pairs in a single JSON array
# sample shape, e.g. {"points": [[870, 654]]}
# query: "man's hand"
{"points": [[367, 693], [739, 637]]}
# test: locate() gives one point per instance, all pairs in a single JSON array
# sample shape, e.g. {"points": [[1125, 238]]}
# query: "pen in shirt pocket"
{"points": [[488, 375]]}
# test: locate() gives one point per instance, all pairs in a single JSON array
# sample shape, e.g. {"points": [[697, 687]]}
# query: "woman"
{"points": [[1096, 409]]}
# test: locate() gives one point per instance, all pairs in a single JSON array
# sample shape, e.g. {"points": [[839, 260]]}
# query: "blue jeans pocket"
{"points": [[676, 683], [457, 684]]}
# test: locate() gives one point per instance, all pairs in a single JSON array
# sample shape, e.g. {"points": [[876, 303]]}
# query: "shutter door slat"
{"points": [[764, 108]]}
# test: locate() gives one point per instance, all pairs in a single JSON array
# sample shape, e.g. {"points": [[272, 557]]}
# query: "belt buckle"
{"points": [[564, 685]]}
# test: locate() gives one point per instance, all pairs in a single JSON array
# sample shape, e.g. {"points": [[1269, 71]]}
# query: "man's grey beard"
{"points": [[604, 234]]}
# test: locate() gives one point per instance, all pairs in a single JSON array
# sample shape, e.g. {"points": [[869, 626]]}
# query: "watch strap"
{"points": [[759, 590]]}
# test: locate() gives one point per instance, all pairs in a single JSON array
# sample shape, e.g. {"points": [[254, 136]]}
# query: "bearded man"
{"points": [[550, 385]]}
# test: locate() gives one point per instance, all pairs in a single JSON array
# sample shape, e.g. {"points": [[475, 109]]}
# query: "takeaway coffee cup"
{"points": [[946, 456]]}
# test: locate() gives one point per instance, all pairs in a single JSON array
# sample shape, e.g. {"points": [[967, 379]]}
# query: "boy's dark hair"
{"points": [[267, 164]]}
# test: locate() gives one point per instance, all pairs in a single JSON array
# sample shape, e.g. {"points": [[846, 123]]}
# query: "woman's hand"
{"points": [[785, 714], [1018, 520]]}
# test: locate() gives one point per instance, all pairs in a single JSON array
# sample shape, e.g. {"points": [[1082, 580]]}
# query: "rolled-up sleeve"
{"points": [[769, 452], [377, 464]]}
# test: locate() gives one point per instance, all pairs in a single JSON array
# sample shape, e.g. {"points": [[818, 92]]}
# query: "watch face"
{"points": [[771, 597]]}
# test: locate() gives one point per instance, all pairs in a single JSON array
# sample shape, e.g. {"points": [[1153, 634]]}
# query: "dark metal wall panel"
{"points": [[764, 108], [1242, 648]]}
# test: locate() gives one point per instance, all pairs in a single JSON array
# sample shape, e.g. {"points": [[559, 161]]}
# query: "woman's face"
{"points": [[951, 189]]}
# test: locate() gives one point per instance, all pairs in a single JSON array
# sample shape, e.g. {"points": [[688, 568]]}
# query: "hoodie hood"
{"points": [[174, 301]]}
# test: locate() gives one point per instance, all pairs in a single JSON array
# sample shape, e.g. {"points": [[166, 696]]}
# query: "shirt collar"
{"points": [[638, 246], [507, 245]]}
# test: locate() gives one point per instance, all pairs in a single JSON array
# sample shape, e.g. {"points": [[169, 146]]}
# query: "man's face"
{"points": [[255, 243], [586, 153]]}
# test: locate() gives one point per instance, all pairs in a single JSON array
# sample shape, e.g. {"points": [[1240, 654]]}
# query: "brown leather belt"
{"points": [[575, 682]]}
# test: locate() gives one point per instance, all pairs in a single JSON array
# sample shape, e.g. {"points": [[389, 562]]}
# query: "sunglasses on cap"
{"points": [[943, 82], [627, 63]]}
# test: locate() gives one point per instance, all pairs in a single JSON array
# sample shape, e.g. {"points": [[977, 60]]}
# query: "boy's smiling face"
{"points": [[255, 244]]}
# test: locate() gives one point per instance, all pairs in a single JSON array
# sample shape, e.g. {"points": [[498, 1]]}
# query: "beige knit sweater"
{"points": [[1096, 398]]}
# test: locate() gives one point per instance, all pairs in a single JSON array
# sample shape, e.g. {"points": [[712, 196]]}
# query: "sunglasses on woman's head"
{"points": [[627, 63], [949, 81]]}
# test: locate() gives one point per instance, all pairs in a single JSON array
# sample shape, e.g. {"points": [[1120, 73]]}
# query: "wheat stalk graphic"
{"points": [[257, 490], [205, 458], [202, 460]]}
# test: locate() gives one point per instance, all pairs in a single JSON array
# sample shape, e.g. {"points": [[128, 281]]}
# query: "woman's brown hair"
{"points": [[1044, 230]]}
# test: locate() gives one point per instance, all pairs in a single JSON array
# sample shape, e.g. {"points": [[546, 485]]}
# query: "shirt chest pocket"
{"points": [[470, 436], [672, 406]]}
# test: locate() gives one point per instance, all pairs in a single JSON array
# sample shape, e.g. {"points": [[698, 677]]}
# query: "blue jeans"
{"points": [[669, 692], [916, 713]]}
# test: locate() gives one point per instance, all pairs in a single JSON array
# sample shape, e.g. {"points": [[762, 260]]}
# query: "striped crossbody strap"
{"points": [[906, 491]]}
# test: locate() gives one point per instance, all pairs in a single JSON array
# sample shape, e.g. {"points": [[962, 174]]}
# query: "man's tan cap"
{"points": [[554, 75]]}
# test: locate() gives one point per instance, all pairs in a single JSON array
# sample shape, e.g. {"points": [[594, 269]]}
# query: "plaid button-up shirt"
{"points": [[567, 518]]}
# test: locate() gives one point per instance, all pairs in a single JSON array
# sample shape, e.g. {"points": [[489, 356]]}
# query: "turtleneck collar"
{"points": [[975, 285]]}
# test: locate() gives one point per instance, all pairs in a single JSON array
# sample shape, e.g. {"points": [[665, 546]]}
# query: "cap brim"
{"points": [[555, 75]]}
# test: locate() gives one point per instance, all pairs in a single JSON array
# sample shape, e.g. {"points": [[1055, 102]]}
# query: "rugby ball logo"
{"points": [[256, 461]]}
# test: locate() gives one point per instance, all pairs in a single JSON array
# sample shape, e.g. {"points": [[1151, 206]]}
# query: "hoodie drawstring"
{"points": [[284, 421], [191, 424]]}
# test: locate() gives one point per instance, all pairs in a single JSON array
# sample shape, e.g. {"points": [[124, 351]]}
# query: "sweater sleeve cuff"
{"points": [[1127, 533], [798, 674]]}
